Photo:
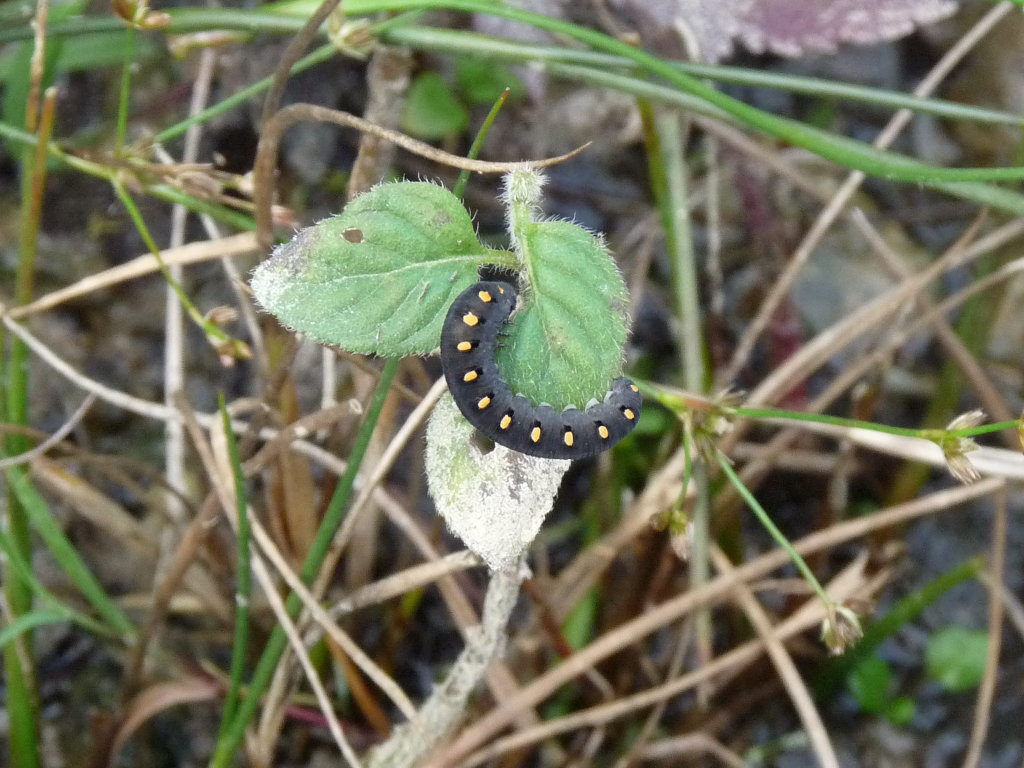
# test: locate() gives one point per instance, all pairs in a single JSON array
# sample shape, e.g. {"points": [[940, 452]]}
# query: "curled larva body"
{"points": [[469, 339]]}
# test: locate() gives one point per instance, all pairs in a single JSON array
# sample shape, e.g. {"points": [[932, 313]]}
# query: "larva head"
{"points": [[626, 396]]}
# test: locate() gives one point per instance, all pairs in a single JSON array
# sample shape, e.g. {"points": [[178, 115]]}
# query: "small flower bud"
{"points": [[841, 629], [955, 448]]}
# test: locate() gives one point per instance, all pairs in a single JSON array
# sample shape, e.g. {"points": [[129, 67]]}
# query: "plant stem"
{"points": [[125, 95], [447, 703], [243, 587], [22, 697], [159, 190], [772, 529]]}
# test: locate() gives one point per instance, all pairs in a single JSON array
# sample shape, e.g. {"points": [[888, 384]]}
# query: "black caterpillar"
{"points": [[468, 342]]}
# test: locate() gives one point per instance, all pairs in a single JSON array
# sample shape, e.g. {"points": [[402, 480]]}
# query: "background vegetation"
{"points": [[218, 543]]}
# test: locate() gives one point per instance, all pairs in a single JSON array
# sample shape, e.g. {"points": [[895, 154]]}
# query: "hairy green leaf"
{"points": [[379, 277], [569, 328]]}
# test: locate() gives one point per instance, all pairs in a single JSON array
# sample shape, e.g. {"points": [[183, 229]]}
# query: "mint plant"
{"points": [[378, 279]]}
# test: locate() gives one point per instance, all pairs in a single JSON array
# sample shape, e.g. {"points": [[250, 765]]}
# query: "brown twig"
{"points": [[825, 219], [274, 129], [486, 728], [784, 665]]}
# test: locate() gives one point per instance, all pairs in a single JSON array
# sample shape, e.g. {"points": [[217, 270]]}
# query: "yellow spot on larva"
{"points": [[470, 376], [506, 421], [568, 438], [603, 432], [500, 289], [634, 387], [535, 434], [485, 297], [464, 346], [628, 413], [470, 319], [483, 402]]}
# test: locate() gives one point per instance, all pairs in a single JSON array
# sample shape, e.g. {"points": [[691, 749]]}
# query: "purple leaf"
{"points": [[795, 27], [708, 28]]}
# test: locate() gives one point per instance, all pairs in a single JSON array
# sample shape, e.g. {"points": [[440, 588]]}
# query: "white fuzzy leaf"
{"points": [[494, 502]]}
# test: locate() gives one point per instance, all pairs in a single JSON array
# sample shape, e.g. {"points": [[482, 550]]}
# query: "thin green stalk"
{"points": [[158, 190], [243, 587], [214, 333], [229, 744], [22, 696], [466, 43], [183, 21], [679, 239], [672, 198], [772, 529], [125, 94], [919, 432], [478, 142]]}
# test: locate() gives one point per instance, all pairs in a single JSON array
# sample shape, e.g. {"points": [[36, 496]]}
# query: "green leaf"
{"points": [[901, 710], [483, 82], [955, 657], [869, 684], [432, 111], [379, 277], [569, 328]]}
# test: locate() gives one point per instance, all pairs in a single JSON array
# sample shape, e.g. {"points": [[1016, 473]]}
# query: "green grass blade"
{"points": [[28, 622], [64, 552], [243, 588], [847, 152], [476, 45]]}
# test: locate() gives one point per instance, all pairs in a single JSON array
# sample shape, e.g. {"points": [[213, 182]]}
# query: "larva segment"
{"points": [[469, 339]]}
